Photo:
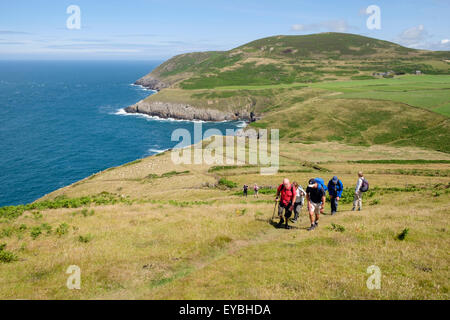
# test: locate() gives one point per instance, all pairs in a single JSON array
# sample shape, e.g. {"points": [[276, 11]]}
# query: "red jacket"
{"points": [[286, 194]]}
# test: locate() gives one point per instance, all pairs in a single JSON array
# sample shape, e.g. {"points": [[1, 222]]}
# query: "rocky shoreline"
{"points": [[152, 83], [180, 111]]}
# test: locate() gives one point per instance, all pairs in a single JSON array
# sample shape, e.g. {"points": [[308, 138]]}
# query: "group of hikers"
{"points": [[291, 198], [255, 190]]}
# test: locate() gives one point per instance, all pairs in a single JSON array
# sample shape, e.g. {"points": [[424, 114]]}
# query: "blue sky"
{"points": [[159, 29]]}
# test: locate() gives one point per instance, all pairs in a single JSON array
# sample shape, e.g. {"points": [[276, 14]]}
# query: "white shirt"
{"points": [[300, 194], [359, 184]]}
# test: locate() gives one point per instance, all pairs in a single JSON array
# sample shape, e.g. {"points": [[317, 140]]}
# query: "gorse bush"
{"points": [[36, 215], [62, 229], [47, 228], [227, 183], [10, 230], [104, 198], [166, 174], [337, 227], [35, 232], [85, 239], [6, 256], [402, 235]]}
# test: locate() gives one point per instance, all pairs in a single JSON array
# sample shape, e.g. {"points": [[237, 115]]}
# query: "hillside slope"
{"points": [[313, 88], [290, 59], [155, 230]]}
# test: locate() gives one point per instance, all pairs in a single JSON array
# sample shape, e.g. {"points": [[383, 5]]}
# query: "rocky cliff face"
{"points": [[183, 112], [152, 83]]}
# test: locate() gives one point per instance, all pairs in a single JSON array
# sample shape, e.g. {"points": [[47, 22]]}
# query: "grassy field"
{"points": [[426, 91], [153, 230]]}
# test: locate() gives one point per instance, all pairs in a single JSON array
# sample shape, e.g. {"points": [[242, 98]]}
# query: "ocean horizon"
{"points": [[62, 121]]}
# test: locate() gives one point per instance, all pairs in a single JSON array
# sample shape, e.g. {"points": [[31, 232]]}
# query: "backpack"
{"points": [[292, 190], [321, 183], [364, 185]]}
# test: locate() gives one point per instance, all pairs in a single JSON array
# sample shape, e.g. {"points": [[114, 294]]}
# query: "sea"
{"points": [[62, 121]]}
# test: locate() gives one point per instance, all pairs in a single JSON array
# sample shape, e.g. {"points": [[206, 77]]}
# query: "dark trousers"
{"points": [[334, 204], [297, 208], [287, 212]]}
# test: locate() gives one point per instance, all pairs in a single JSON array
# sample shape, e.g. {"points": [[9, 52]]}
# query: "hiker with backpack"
{"points": [[299, 200], [286, 196], [362, 185], [315, 195], [245, 190], [335, 188], [255, 190]]}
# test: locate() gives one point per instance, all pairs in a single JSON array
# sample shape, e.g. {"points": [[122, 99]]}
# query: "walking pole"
{"points": [[274, 209]]}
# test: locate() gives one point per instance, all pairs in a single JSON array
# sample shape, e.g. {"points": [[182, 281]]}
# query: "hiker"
{"points": [[299, 200], [256, 190], [315, 195], [335, 188], [245, 190], [362, 185], [286, 195]]}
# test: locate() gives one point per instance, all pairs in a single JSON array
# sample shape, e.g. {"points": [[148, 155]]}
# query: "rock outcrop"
{"points": [[183, 112], [152, 83]]}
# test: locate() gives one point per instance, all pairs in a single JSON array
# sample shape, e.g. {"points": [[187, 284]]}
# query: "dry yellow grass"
{"points": [[224, 248]]}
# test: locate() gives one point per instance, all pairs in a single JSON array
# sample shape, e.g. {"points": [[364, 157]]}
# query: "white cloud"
{"points": [[338, 25], [414, 37], [418, 37]]}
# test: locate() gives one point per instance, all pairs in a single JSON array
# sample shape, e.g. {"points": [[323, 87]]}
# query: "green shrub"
{"points": [[227, 183], [35, 232], [402, 235], [6, 232], [46, 227], [36, 215], [62, 229], [85, 212], [173, 173], [337, 227], [85, 239], [7, 256], [104, 198]]}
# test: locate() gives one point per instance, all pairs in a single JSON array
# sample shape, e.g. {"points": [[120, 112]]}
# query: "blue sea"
{"points": [[60, 122]]}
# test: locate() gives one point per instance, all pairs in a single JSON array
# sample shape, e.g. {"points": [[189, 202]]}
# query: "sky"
{"points": [[160, 29]]}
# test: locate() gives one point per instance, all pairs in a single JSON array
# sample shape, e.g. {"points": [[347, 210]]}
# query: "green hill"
{"points": [[319, 87], [290, 59]]}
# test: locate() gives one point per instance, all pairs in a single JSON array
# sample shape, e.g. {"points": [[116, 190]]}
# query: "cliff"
{"points": [[183, 112]]}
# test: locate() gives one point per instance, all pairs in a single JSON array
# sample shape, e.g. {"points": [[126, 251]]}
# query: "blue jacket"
{"points": [[335, 190]]}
